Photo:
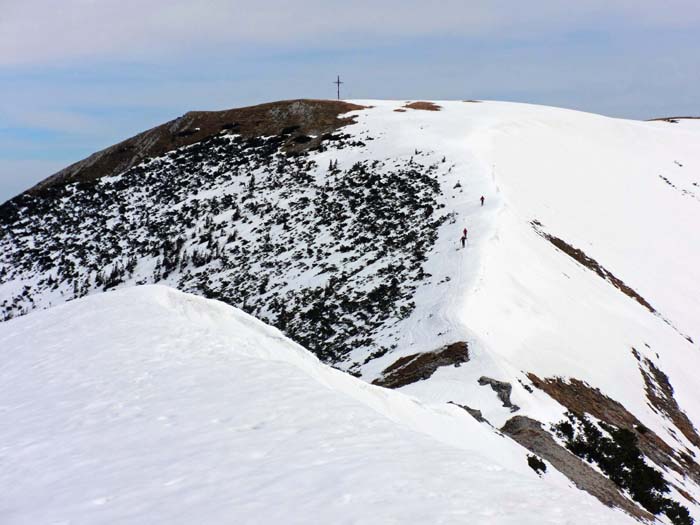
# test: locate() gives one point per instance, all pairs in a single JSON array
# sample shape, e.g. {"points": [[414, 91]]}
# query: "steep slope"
{"points": [[317, 117], [576, 299], [152, 406]]}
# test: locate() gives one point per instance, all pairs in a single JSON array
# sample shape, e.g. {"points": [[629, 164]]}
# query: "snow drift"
{"points": [[153, 406]]}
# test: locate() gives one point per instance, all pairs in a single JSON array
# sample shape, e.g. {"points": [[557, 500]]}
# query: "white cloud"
{"points": [[49, 31]]}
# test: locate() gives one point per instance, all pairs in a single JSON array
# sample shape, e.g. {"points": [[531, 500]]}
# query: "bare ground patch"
{"points": [[417, 367], [425, 106]]}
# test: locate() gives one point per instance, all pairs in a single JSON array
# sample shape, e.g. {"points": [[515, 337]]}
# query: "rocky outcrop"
{"points": [[615, 451], [588, 262], [502, 389], [580, 398], [476, 414], [417, 367], [593, 265], [530, 434], [672, 120], [660, 394]]}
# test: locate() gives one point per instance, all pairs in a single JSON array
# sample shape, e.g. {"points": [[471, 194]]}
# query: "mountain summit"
{"points": [[568, 319]]}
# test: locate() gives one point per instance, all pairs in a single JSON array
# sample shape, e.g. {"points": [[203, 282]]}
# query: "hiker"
{"points": [[463, 239], [482, 200], [464, 233]]}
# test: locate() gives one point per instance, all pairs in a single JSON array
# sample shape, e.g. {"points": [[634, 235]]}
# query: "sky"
{"points": [[80, 75]]}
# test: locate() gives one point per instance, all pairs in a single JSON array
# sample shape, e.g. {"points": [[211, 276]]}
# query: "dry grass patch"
{"points": [[417, 367], [425, 106]]}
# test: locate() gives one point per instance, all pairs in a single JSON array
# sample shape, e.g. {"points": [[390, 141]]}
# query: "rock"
{"points": [[502, 390], [530, 434], [476, 414]]}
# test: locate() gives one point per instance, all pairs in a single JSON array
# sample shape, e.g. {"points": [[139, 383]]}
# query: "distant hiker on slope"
{"points": [[482, 200], [464, 237]]}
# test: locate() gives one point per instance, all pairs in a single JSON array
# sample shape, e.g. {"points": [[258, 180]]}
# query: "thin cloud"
{"points": [[79, 75], [37, 31], [48, 119]]}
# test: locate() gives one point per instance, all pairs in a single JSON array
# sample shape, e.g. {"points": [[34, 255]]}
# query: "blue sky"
{"points": [[80, 75]]}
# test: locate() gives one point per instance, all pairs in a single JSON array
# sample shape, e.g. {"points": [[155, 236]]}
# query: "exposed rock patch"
{"points": [[530, 434], [590, 263], [593, 265], [476, 414], [660, 394], [672, 120], [418, 367], [502, 389]]}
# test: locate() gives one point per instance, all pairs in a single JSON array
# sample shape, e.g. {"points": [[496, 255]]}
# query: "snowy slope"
{"points": [[628, 195], [579, 289], [526, 307], [153, 406], [591, 180]]}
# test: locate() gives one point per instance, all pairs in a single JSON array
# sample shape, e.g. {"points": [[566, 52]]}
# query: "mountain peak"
{"points": [[535, 268], [300, 116]]}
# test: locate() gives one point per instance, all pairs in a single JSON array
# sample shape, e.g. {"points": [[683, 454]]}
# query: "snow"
{"points": [[523, 305], [625, 192], [148, 405]]}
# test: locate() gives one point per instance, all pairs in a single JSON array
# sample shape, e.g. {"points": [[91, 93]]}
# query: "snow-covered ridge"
{"points": [[353, 250], [152, 406]]}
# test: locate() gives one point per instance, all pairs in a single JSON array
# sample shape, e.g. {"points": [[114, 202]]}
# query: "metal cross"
{"points": [[337, 83]]}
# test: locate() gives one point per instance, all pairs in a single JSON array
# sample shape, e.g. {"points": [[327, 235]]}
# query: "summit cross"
{"points": [[337, 83]]}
